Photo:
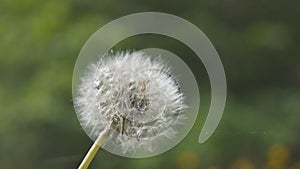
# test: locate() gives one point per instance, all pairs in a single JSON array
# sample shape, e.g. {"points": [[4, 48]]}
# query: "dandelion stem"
{"points": [[93, 150]]}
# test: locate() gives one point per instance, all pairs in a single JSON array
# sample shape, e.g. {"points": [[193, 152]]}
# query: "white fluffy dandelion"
{"points": [[130, 98]]}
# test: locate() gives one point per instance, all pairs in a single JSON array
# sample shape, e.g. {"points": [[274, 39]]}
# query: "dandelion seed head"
{"points": [[136, 95]]}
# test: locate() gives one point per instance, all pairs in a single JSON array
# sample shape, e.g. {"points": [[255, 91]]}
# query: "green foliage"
{"points": [[258, 43]]}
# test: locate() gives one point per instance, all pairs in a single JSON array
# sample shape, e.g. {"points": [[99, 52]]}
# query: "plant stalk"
{"points": [[93, 150]]}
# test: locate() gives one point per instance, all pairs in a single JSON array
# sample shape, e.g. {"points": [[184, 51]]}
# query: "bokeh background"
{"points": [[258, 42]]}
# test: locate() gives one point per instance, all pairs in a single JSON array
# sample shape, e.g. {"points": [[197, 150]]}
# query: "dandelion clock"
{"points": [[133, 103]]}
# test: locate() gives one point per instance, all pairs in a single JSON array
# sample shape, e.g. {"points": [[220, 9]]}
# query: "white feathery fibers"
{"points": [[134, 95]]}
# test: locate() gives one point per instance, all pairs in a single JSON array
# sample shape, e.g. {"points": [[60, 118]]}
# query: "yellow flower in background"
{"points": [[188, 160], [277, 157], [242, 163]]}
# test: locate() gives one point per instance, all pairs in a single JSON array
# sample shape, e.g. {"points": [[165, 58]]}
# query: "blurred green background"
{"points": [[258, 42]]}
